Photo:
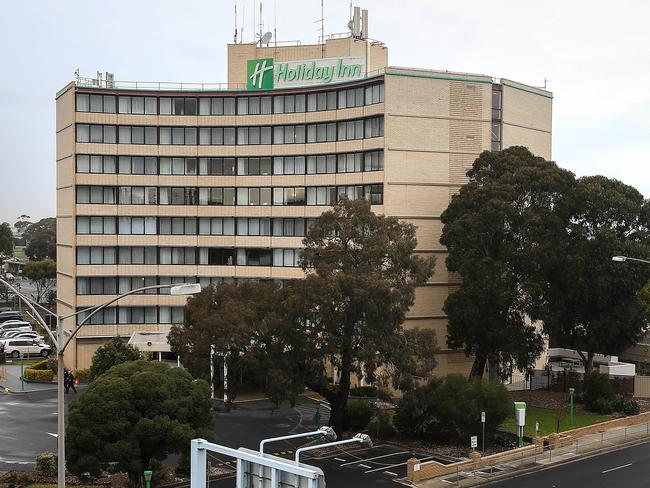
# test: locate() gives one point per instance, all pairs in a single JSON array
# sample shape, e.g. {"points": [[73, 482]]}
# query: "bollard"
{"points": [[601, 439]]}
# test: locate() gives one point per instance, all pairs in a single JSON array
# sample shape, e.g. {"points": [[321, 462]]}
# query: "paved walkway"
{"points": [[13, 383]]}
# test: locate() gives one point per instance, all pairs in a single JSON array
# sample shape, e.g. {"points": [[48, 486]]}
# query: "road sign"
{"points": [[474, 441], [483, 417]]}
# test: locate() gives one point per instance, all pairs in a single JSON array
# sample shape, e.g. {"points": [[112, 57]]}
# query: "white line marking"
{"points": [[617, 467], [53, 435], [365, 466], [394, 465], [339, 459], [377, 457], [391, 473]]}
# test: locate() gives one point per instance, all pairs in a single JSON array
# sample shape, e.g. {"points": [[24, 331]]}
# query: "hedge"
{"points": [[41, 365], [31, 374]]}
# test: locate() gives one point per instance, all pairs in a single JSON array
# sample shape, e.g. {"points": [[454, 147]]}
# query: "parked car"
{"points": [[22, 334], [26, 347], [12, 321], [14, 325], [11, 315], [6, 309], [4, 333]]}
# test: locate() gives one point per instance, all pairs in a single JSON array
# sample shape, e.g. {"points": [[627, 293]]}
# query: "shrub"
{"points": [[631, 407], [40, 365], [618, 403], [46, 464], [38, 374], [598, 394], [382, 426], [414, 410], [452, 410], [364, 391], [359, 414]]}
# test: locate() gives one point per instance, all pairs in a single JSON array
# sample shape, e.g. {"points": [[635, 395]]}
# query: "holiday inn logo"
{"points": [[264, 74], [259, 75]]}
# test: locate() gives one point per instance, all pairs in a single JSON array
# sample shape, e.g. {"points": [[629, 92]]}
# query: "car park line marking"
{"points": [[391, 473], [395, 465], [341, 460], [617, 467], [376, 457], [365, 466]]}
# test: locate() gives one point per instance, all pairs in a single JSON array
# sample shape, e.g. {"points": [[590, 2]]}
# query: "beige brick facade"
{"points": [[435, 124]]}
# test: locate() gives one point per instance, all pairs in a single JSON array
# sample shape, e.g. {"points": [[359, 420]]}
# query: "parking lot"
{"points": [[384, 464]]}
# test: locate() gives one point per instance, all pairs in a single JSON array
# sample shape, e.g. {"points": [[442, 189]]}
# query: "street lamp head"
{"points": [[147, 475], [328, 433], [364, 439], [619, 259], [186, 289]]}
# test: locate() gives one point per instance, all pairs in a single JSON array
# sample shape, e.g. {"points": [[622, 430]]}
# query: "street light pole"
{"points": [[60, 438], [62, 343]]}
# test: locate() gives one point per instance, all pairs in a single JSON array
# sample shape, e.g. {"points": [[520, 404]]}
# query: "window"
{"points": [[95, 103]]}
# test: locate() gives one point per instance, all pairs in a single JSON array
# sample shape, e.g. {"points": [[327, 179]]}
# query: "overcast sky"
{"points": [[596, 56]]}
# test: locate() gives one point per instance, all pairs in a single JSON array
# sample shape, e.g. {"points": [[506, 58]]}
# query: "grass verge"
{"points": [[548, 419]]}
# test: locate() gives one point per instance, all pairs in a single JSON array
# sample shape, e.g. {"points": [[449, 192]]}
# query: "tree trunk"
{"points": [[478, 367], [338, 417], [587, 361]]}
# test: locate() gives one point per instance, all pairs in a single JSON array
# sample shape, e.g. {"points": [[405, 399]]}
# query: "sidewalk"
{"points": [[13, 383], [584, 446]]}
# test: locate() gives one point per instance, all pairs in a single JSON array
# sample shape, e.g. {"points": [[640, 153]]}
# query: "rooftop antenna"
{"points": [[322, 29], [545, 82], [243, 22], [235, 36], [261, 21], [254, 22], [275, 21]]}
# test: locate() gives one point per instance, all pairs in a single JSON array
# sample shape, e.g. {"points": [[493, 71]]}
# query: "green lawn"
{"points": [[548, 421]]}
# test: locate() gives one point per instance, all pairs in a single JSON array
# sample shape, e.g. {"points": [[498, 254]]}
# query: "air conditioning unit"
{"points": [[110, 80]]}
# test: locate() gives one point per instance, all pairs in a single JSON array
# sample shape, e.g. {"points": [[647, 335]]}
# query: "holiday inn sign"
{"points": [[264, 74]]}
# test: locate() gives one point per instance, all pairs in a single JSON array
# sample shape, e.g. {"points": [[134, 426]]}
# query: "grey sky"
{"points": [[595, 54]]}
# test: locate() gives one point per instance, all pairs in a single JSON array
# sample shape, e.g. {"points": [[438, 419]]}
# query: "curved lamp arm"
{"points": [[181, 289], [29, 303]]}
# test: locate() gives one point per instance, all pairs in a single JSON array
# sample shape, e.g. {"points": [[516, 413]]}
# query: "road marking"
{"points": [[341, 460], [391, 473], [617, 467], [376, 457], [394, 465], [53, 435], [365, 466]]}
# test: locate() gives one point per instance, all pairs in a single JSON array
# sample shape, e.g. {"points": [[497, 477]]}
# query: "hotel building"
{"points": [[164, 183]]}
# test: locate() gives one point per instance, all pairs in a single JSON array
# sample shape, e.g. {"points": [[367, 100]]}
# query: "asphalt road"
{"points": [[624, 468], [28, 424]]}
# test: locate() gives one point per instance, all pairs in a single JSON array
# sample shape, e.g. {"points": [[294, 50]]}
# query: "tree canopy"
{"points": [[41, 239], [361, 278], [590, 303], [533, 243], [136, 413], [497, 233], [111, 354], [42, 274], [254, 326], [6, 242]]}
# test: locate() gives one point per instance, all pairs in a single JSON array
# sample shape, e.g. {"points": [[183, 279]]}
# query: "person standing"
{"points": [[66, 380], [71, 381]]}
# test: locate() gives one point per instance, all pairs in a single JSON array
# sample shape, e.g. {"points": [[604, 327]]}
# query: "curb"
{"points": [[534, 469]]}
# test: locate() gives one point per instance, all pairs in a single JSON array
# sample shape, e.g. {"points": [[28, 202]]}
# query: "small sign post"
{"points": [[520, 417], [474, 441], [483, 434]]}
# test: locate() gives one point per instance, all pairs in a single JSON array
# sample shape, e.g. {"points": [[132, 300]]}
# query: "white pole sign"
{"points": [[474, 441]]}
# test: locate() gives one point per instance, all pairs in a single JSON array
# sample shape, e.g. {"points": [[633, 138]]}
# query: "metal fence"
{"points": [[589, 444], [563, 380]]}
